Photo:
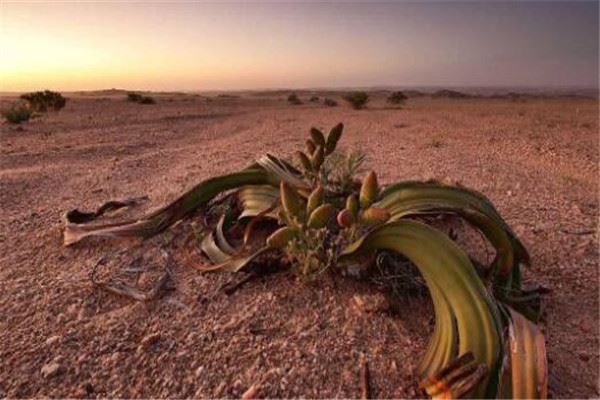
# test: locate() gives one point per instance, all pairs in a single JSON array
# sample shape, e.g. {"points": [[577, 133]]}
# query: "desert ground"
{"points": [[535, 158]]}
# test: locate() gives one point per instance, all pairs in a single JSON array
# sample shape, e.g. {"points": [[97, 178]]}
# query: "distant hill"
{"points": [[450, 94]]}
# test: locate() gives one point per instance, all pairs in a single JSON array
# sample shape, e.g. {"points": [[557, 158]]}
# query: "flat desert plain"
{"points": [[536, 159]]}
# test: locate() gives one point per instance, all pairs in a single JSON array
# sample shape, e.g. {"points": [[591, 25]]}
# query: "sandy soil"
{"points": [[537, 160]]}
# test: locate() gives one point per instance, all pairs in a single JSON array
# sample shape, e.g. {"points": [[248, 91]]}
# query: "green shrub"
{"points": [[330, 102], [294, 99], [17, 114], [44, 101], [397, 98], [357, 100], [314, 99]]}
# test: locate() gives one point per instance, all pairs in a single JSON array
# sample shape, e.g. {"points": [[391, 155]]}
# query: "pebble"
{"points": [[51, 370], [53, 340], [251, 393], [149, 340], [371, 303]]}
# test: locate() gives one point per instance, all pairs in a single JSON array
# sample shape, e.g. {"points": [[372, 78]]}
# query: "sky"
{"points": [[234, 46]]}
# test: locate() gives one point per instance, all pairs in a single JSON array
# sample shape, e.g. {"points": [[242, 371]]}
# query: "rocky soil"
{"points": [[536, 159]]}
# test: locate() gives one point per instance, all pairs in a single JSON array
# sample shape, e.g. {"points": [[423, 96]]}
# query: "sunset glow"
{"points": [[199, 46]]}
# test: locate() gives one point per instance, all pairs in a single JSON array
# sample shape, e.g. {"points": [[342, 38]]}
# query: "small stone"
{"points": [[149, 340], [52, 340], [371, 303], [51, 370], [251, 393], [584, 357], [89, 389], [199, 371], [219, 390]]}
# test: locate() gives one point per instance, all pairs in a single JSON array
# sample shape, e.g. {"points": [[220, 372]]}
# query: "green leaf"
{"points": [[255, 199], [456, 289], [163, 218], [413, 198]]}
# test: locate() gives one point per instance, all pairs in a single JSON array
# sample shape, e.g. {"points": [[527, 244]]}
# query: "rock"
{"points": [[89, 389], [52, 340], [220, 389], [199, 371], [251, 393], [149, 340], [51, 370], [371, 303], [584, 357]]}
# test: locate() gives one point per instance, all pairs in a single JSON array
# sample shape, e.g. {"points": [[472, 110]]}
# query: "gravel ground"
{"points": [[537, 160]]}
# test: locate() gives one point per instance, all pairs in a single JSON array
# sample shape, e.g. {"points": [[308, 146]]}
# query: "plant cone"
{"points": [[318, 158], [310, 147], [280, 238], [352, 204], [345, 218], [374, 216], [304, 160], [319, 217], [317, 137], [332, 139], [292, 204], [314, 200], [368, 190]]}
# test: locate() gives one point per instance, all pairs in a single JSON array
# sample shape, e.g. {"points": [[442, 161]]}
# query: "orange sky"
{"points": [[203, 46]]}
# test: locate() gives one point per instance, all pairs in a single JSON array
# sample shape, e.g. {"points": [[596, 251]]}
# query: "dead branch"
{"points": [[125, 290], [232, 286], [75, 216]]}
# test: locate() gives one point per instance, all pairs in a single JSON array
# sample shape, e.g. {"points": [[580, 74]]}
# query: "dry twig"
{"points": [[125, 290]]}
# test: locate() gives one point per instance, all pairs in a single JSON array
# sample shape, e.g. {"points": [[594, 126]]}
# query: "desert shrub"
{"points": [[294, 99], [44, 101], [147, 100], [485, 343], [314, 99], [397, 98], [134, 97], [330, 102], [357, 100], [17, 114], [450, 94], [138, 98]]}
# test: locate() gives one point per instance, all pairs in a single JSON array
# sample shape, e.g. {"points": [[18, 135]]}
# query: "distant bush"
{"points": [[314, 99], [397, 98], [44, 101], [330, 102], [357, 100], [138, 98], [134, 97], [294, 99], [147, 100], [450, 94], [17, 114]]}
